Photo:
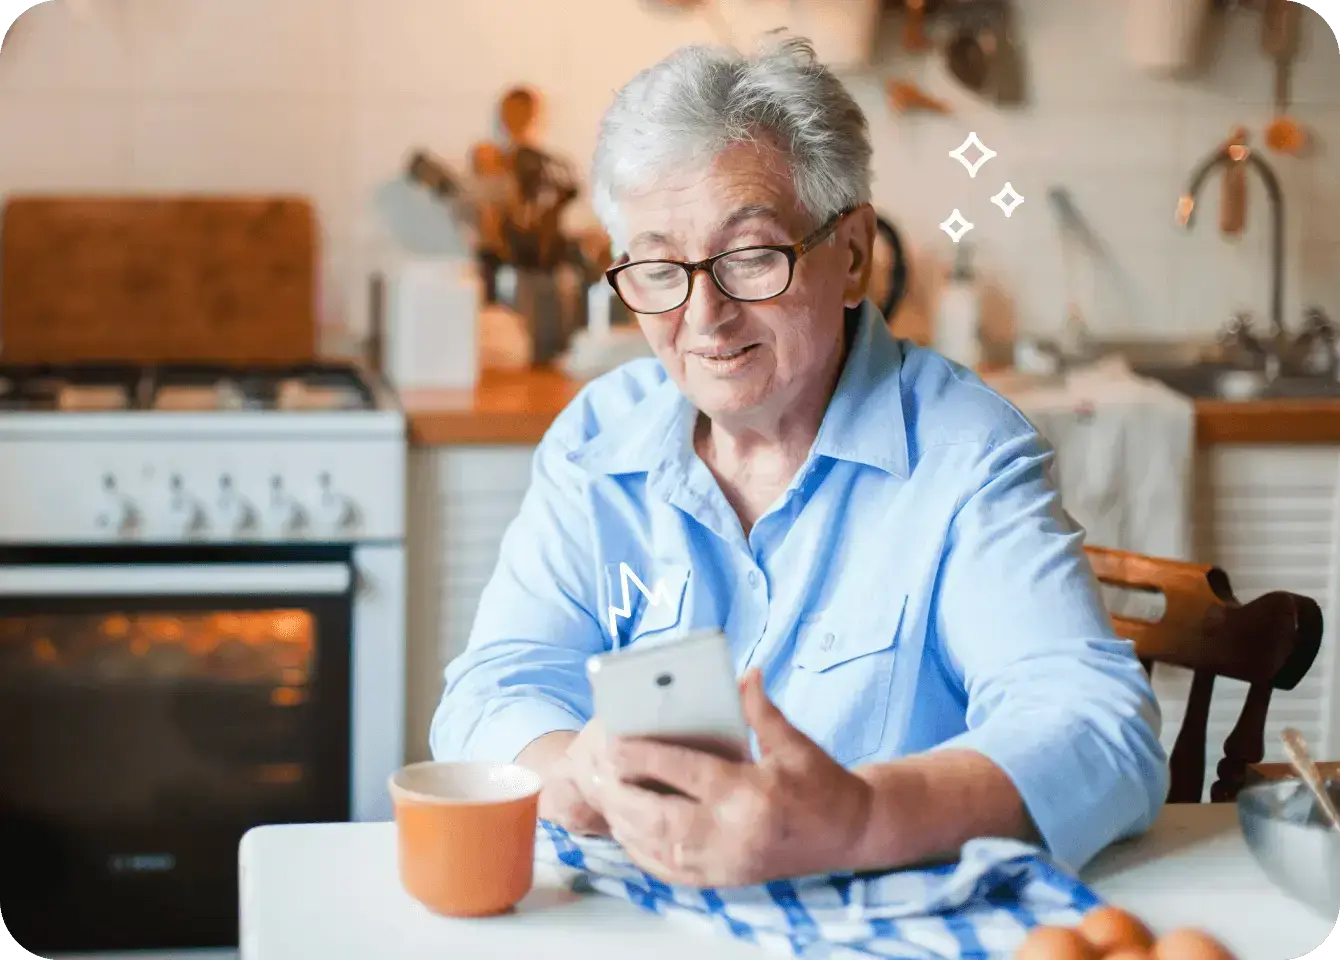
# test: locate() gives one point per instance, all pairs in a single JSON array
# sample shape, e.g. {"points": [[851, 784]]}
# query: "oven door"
{"points": [[154, 705]]}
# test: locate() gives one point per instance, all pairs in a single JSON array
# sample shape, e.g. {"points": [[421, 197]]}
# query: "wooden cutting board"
{"points": [[154, 279]]}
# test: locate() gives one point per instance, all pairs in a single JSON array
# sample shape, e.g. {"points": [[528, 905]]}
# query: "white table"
{"points": [[331, 891]]}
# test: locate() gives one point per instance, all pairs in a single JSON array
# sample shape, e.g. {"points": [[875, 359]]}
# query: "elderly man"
{"points": [[924, 653]]}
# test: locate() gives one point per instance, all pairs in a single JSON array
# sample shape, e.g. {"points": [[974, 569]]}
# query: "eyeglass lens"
{"points": [[749, 274]]}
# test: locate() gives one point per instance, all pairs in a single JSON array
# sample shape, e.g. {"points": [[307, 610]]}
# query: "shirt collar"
{"points": [[864, 421]]}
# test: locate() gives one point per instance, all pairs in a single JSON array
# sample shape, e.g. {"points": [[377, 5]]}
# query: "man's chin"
{"points": [[729, 399]]}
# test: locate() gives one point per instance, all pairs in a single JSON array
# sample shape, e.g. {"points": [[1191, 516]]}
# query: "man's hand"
{"points": [[794, 812], [565, 762]]}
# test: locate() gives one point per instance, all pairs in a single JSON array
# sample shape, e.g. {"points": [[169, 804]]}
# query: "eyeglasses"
{"points": [[746, 274]]}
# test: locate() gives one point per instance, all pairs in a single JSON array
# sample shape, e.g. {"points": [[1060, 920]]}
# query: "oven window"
{"points": [[170, 714], [146, 724]]}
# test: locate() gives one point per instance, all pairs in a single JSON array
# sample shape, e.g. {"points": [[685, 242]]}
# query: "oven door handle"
{"points": [[175, 580]]}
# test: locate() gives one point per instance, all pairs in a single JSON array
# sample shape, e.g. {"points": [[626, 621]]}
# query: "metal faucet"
{"points": [[1278, 349]]}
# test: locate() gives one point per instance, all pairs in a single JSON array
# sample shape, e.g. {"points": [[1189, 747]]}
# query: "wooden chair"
{"points": [[1269, 643]]}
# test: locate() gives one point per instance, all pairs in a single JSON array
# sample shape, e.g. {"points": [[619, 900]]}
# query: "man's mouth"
{"points": [[720, 355]]}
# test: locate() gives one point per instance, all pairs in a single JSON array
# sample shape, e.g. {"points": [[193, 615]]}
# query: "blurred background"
{"points": [[290, 289]]}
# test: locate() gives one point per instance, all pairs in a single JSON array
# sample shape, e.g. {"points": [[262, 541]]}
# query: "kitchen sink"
{"points": [[1219, 381]]}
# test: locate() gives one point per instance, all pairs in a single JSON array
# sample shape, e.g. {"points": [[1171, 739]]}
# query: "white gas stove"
{"points": [[202, 579], [189, 453]]}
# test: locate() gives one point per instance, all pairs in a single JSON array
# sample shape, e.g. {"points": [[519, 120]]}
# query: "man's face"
{"points": [[731, 358]]}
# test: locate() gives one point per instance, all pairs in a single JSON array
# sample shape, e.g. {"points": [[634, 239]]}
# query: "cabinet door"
{"points": [[1267, 516], [461, 500]]}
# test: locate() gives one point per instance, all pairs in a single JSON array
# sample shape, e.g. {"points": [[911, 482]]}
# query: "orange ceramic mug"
{"points": [[466, 835]]}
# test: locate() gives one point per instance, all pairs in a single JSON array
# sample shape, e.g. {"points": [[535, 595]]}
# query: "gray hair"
{"points": [[700, 100]]}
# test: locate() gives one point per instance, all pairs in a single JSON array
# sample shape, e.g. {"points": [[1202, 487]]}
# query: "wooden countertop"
{"points": [[505, 407], [517, 407]]}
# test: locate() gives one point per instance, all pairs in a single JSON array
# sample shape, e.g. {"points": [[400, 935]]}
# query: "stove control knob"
{"points": [[336, 512], [235, 515], [119, 516], [285, 516], [186, 515]]}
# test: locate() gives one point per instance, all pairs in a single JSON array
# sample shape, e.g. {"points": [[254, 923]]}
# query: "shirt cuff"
{"points": [[514, 724], [1076, 793]]}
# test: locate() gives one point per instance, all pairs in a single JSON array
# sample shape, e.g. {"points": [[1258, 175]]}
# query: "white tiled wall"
{"points": [[326, 97]]}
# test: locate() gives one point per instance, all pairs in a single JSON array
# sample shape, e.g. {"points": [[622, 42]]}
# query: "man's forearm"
{"points": [[926, 807], [544, 753]]}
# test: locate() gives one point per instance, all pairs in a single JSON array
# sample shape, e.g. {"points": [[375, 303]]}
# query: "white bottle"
{"points": [[958, 315]]}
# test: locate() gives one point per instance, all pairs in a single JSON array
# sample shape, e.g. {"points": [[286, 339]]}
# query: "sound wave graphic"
{"points": [[655, 596]]}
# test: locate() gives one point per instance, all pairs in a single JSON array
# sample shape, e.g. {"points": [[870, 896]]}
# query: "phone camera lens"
{"points": [[664, 680]]}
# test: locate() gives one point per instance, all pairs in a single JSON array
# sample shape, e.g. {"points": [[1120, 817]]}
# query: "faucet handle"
{"points": [[1238, 330], [1316, 322]]}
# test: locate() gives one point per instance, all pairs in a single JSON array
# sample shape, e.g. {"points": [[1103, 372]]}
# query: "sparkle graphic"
{"points": [[655, 596], [1008, 199], [985, 153], [956, 226]]}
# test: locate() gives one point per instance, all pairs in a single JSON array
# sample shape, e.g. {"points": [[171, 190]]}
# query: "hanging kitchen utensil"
{"points": [[973, 50], [1075, 332], [967, 60], [1233, 195], [1279, 40], [906, 97], [887, 284], [914, 30], [1008, 68]]}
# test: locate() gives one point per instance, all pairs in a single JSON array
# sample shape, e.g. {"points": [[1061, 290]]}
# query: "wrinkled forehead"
{"points": [[745, 188]]}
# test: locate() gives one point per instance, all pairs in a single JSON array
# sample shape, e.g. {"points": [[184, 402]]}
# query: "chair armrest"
{"points": [[1263, 772]]}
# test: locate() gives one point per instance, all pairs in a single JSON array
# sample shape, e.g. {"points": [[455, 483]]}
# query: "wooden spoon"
{"points": [[905, 97], [1233, 198], [1279, 35], [1301, 759]]}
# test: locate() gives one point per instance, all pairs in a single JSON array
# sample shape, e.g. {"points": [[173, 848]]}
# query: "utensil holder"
{"points": [[1162, 36]]}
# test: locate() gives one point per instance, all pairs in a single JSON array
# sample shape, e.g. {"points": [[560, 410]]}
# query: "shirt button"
{"points": [[829, 640], [753, 578]]}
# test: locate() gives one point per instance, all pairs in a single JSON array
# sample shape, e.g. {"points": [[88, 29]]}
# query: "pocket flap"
{"points": [[834, 637], [652, 604]]}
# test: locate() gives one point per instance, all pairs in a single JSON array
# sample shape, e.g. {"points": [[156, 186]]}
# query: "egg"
{"points": [[1127, 953], [1055, 943], [1110, 930], [1189, 945]]}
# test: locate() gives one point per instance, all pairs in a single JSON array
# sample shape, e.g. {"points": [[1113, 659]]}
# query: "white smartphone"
{"points": [[680, 691]]}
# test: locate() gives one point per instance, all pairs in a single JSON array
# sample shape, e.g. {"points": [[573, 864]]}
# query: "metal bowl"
{"points": [[1286, 832]]}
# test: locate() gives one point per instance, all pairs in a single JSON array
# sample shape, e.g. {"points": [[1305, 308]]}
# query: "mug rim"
{"points": [[400, 792]]}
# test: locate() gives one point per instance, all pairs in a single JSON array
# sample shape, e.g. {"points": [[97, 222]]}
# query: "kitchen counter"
{"points": [[506, 407], [517, 407]]}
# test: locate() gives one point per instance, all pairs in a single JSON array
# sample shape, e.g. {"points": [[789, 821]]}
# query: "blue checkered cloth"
{"points": [[979, 908]]}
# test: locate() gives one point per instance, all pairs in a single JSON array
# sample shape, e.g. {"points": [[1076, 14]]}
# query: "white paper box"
{"points": [[432, 329]]}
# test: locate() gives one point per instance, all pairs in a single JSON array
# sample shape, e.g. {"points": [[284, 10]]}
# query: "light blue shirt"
{"points": [[917, 587]]}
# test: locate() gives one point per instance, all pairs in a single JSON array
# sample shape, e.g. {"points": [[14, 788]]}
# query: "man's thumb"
{"points": [[762, 715]]}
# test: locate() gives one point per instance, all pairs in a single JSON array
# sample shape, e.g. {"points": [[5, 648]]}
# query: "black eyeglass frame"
{"points": [[792, 252]]}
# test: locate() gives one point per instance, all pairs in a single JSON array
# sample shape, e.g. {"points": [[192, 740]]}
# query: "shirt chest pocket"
{"points": [[841, 677]]}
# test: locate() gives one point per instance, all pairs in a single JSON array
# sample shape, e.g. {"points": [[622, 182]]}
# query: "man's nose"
{"points": [[707, 307]]}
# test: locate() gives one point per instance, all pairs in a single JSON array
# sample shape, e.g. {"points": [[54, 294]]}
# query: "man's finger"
{"points": [[770, 726], [659, 860], [653, 817], [695, 773]]}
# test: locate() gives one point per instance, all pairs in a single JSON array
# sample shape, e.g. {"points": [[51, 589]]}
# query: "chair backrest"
{"points": [[1269, 644]]}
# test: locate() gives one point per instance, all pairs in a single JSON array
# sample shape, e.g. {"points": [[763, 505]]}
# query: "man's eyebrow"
{"points": [[651, 236], [748, 212], [732, 220]]}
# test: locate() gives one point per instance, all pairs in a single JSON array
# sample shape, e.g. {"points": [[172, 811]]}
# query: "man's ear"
{"points": [[857, 238]]}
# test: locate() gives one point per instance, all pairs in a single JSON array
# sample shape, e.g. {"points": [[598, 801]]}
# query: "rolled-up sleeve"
{"points": [[1055, 699], [522, 674]]}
